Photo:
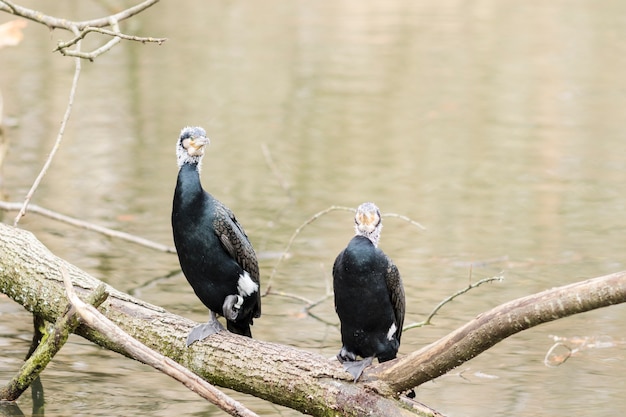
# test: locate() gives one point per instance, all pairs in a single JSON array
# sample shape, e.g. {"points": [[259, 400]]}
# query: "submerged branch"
{"points": [[295, 234], [32, 208], [49, 345]]}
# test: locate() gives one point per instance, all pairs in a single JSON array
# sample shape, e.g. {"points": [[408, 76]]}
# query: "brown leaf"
{"points": [[11, 32]]}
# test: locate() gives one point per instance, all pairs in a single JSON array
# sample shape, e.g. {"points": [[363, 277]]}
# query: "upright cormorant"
{"points": [[213, 250], [369, 297]]}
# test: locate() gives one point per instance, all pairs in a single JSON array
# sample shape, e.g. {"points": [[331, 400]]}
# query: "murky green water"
{"points": [[499, 125]]}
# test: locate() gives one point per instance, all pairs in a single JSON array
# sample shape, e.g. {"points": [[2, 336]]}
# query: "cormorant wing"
{"points": [[235, 241], [396, 292]]}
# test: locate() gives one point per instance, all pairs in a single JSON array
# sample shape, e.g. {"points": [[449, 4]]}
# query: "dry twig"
{"points": [[446, 300], [32, 208], [295, 234], [57, 143]]}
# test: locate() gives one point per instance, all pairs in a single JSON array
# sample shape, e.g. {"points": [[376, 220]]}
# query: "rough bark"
{"points": [[302, 380]]}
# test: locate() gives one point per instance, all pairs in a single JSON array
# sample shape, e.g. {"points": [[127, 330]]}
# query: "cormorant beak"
{"points": [[195, 146]]}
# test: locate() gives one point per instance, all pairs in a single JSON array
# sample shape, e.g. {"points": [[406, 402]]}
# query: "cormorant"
{"points": [[213, 250], [369, 297]]}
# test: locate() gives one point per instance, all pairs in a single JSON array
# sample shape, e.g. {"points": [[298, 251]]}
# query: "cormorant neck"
{"points": [[188, 186], [373, 236], [184, 159]]}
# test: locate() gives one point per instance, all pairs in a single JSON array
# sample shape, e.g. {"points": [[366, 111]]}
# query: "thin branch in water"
{"points": [[405, 218], [308, 304], [446, 300], [50, 344], [32, 208], [270, 162], [138, 351], [57, 144], [304, 300], [316, 216], [552, 359], [570, 346], [295, 234]]}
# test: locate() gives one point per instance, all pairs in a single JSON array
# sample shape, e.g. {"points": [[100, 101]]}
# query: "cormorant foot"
{"points": [[345, 355], [355, 368], [203, 331]]}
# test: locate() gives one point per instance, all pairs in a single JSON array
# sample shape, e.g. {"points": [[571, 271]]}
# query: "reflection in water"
{"points": [[496, 124]]}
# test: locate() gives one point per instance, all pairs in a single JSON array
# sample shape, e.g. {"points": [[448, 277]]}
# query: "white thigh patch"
{"points": [[245, 285], [391, 331]]}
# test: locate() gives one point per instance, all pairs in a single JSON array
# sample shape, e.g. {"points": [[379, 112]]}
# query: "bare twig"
{"points": [[405, 218], [295, 234], [304, 300], [98, 51], [117, 38], [308, 304], [450, 298], [57, 143], [81, 29], [270, 162], [138, 351], [59, 23], [310, 220], [112, 33], [32, 208]]}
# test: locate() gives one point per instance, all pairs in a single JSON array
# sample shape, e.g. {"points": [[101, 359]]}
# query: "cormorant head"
{"points": [[368, 222], [190, 145]]}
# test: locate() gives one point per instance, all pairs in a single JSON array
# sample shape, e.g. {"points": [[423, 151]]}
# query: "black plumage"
{"points": [[214, 252], [369, 296]]}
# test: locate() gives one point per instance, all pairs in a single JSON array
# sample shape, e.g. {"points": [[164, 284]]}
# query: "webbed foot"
{"points": [[355, 368], [204, 330], [351, 364]]}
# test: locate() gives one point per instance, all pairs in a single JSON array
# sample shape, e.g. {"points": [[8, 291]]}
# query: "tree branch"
{"points": [[491, 327], [60, 23]]}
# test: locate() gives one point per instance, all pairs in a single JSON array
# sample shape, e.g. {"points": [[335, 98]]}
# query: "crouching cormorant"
{"points": [[213, 250], [369, 297]]}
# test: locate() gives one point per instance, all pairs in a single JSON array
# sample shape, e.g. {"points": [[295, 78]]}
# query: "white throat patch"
{"points": [[245, 285]]}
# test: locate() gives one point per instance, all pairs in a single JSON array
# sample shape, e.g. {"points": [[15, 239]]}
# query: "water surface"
{"points": [[498, 125]]}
